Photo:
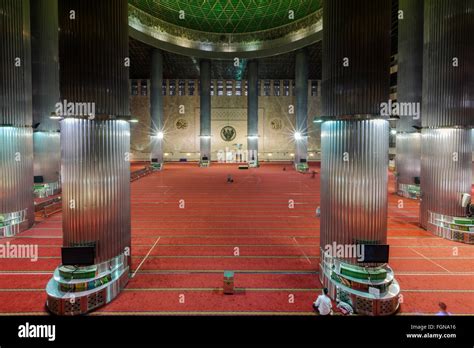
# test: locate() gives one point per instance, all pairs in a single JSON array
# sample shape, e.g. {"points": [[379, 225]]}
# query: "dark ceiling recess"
{"points": [[183, 67]]}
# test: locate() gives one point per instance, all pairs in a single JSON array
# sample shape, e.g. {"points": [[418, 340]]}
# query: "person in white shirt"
{"points": [[323, 303]]}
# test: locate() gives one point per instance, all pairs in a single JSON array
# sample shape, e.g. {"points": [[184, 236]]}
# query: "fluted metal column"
{"points": [[301, 84], [354, 182], [354, 144], [348, 91], [205, 103], [447, 169], [156, 106], [45, 68], [448, 111], [252, 110], [409, 90], [16, 147], [408, 160], [96, 185], [95, 151]]}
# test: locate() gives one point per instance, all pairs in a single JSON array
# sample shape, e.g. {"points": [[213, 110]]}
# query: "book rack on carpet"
{"points": [[458, 229], [368, 290]]}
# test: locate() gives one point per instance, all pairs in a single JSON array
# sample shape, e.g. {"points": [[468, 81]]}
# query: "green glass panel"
{"points": [[228, 16]]}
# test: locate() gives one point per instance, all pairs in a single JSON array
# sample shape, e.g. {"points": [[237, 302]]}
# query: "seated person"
{"points": [[323, 304], [229, 178]]}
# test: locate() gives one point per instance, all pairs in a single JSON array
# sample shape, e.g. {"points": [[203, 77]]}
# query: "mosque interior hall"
{"points": [[236, 157]]}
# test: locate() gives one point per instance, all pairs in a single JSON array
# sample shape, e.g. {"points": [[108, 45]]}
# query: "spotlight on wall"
{"points": [[252, 136], [292, 154], [298, 136], [205, 136], [317, 119], [133, 120], [393, 131], [160, 135]]}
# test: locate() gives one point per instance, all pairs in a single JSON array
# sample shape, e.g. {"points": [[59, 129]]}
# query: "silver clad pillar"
{"points": [[252, 111], [205, 104], [301, 84], [354, 182], [156, 106], [354, 159], [95, 152], [448, 113], [408, 160], [409, 92], [446, 166], [16, 147], [96, 179], [45, 78]]}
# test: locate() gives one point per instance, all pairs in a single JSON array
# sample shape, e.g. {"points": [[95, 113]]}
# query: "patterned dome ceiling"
{"points": [[228, 16]]}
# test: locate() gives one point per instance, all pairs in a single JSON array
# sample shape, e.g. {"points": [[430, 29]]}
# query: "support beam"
{"points": [[448, 114], [354, 156], [95, 152], [301, 84], [205, 104], [16, 135], [252, 112], [45, 78], [156, 108], [409, 92]]}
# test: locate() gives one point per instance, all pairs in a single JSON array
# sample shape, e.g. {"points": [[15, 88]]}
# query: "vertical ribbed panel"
{"points": [[301, 84], [446, 171], [45, 88], [16, 170], [15, 63], [252, 107], [410, 61], [408, 159], [156, 104], [96, 179], [45, 63], [16, 148], [354, 192], [360, 31], [205, 107], [448, 91], [92, 49], [47, 155]]}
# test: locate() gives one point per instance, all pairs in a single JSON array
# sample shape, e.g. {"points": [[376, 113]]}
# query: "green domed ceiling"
{"points": [[228, 16]]}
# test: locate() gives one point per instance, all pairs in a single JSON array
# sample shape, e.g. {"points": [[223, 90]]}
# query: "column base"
{"points": [[45, 190], [156, 166], [368, 290], [302, 167], [458, 229], [13, 223], [204, 163], [253, 164], [408, 191], [79, 290]]}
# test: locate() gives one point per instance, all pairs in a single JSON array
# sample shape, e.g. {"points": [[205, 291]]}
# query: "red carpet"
{"points": [[278, 248]]}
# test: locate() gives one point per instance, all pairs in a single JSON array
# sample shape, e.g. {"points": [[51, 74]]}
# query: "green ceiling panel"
{"points": [[228, 16]]}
